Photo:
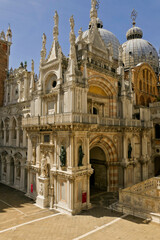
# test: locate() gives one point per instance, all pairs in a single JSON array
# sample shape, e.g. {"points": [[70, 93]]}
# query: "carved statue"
{"points": [[80, 156], [44, 169], [129, 150], [80, 34], [32, 66], [63, 156], [44, 39]]}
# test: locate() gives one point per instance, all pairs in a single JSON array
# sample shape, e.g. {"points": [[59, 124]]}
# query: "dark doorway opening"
{"points": [[98, 180]]}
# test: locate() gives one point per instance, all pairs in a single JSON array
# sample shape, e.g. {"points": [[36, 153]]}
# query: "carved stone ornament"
{"points": [[44, 169], [80, 156]]}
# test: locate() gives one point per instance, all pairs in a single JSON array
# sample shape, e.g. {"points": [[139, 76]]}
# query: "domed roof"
{"points": [[107, 37], [134, 32], [137, 50]]}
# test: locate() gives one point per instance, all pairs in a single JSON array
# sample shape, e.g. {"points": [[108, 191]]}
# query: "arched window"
{"points": [[2, 130], [14, 131], [18, 170], [143, 74], [7, 129], [5, 166], [157, 131], [140, 85], [144, 87]]}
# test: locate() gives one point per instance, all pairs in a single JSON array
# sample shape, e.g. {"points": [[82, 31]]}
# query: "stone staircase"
{"points": [[141, 200]]}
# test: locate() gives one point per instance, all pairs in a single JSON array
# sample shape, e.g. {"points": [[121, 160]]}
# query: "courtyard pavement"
{"points": [[21, 219]]}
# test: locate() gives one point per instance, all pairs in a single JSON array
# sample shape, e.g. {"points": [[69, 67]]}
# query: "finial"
{"points": [[55, 29], [134, 16], [72, 23], [93, 12], [44, 40], [32, 66]]}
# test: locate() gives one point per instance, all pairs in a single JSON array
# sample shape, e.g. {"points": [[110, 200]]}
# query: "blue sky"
{"points": [[30, 18]]}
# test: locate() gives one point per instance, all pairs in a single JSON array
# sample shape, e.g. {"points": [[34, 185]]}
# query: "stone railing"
{"points": [[135, 197], [83, 118]]}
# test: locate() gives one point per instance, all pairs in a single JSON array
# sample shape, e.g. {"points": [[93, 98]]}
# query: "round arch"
{"points": [[104, 151], [49, 78]]}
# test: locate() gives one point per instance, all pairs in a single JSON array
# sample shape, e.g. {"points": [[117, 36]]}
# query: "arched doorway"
{"points": [[98, 180], [157, 166], [12, 171]]}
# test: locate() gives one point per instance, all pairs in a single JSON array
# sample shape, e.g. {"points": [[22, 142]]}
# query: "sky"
{"points": [[29, 19]]}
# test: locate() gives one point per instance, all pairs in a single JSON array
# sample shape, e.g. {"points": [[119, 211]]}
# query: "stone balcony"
{"points": [[70, 118]]}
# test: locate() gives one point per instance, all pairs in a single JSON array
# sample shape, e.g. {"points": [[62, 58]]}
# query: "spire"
{"points": [[43, 51], [9, 34], [93, 12], [72, 55], [55, 29], [72, 38], [32, 78]]}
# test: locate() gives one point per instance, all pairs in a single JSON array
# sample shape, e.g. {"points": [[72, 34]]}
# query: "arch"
{"points": [[110, 151], [14, 130], [7, 126], [98, 180], [140, 85], [49, 78], [106, 144], [103, 83], [2, 130]]}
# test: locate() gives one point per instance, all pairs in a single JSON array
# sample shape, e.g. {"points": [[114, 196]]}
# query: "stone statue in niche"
{"points": [[44, 169], [80, 156], [129, 150], [63, 156]]}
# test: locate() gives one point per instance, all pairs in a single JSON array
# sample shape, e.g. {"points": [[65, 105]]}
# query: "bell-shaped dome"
{"points": [[137, 50]]}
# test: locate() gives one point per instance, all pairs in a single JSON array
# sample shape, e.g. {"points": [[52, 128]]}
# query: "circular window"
{"points": [[54, 84]]}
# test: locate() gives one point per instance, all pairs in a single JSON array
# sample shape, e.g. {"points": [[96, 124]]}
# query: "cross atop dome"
{"points": [[134, 15]]}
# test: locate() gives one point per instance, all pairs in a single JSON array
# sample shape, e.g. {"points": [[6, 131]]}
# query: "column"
{"points": [[18, 136]]}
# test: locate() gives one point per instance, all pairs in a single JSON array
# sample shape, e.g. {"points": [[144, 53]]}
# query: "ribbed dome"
{"points": [[108, 37], [137, 50]]}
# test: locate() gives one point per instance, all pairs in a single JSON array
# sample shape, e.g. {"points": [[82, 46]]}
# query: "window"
{"points": [[95, 111], [157, 131], [140, 85], [46, 138]]}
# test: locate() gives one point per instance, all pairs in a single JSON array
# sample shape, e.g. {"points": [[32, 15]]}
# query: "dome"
{"points": [[108, 37], [137, 50], [134, 32]]}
